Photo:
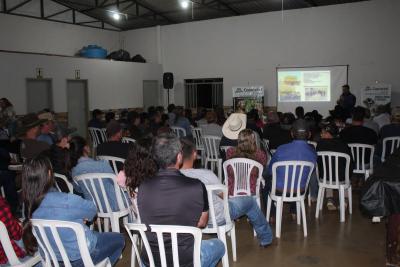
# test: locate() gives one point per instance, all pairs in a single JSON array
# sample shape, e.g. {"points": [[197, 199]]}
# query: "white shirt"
{"points": [[382, 119], [207, 177]]}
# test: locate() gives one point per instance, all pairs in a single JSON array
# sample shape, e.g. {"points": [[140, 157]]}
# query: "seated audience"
{"points": [[211, 127], [231, 128], [189, 115], [114, 146], [220, 116], [7, 116], [81, 163], [59, 155], [134, 122], [383, 116], [171, 114], [253, 122], [274, 133], [109, 116], [246, 148], [96, 121], [42, 201], [181, 121], [14, 230], [357, 133], [7, 180], [238, 206], [392, 129], [330, 142], [201, 116], [287, 120], [298, 149], [171, 198], [155, 122], [369, 123], [28, 128], [299, 111], [47, 128]]}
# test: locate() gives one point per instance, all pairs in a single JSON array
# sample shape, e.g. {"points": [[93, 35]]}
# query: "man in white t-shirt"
{"points": [[238, 206]]}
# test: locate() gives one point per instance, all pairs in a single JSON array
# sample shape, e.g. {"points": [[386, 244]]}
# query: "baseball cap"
{"points": [[300, 125]]}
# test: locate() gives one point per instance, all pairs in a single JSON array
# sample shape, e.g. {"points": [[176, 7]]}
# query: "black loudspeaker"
{"points": [[168, 80]]}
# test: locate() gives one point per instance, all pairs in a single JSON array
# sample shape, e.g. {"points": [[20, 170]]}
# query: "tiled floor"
{"points": [[357, 242]]}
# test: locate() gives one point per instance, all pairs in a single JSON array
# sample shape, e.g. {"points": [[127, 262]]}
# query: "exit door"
{"points": [[77, 105], [39, 94]]}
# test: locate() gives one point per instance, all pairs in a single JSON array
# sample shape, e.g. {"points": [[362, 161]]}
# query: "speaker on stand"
{"points": [[168, 82]]}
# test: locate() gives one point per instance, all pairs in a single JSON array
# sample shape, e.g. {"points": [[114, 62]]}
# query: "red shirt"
{"points": [[14, 230], [259, 156]]}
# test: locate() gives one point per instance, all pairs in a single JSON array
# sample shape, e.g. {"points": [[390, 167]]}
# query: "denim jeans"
{"points": [[109, 245], [313, 186], [211, 252], [247, 205]]}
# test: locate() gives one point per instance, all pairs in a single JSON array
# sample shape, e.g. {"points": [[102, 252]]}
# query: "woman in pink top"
{"points": [[246, 148]]}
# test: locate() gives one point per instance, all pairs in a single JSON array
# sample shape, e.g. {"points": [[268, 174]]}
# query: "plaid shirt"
{"points": [[14, 230]]}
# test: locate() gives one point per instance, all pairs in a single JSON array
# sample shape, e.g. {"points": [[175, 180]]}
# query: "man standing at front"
{"points": [[347, 100], [170, 198]]}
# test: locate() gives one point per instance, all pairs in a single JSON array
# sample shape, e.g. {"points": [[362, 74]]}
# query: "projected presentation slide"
{"points": [[304, 86]]}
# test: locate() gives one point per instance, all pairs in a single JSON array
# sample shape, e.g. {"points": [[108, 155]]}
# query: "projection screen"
{"points": [[311, 87]]}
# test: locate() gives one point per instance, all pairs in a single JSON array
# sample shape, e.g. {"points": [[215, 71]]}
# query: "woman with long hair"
{"points": [[246, 148], [42, 201]]}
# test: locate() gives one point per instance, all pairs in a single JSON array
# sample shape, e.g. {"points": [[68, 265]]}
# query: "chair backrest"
{"points": [[128, 140], [7, 245], [389, 142], [179, 131], [291, 189], [63, 179], [330, 174], [163, 231], [363, 157], [211, 145], [46, 230], [225, 148], [242, 169], [97, 135], [212, 191], [197, 136], [116, 163], [313, 143], [100, 197]]}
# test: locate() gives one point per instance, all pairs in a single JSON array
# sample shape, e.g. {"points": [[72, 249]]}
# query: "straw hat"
{"points": [[233, 125]]}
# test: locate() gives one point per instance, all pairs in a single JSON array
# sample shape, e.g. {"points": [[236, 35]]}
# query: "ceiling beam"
{"points": [[310, 3], [58, 13], [18, 6], [222, 3], [158, 13], [4, 6]]}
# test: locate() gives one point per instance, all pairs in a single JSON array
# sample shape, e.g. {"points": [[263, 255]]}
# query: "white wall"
{"points": [[34, 35], [111, 84], [247, 49]]}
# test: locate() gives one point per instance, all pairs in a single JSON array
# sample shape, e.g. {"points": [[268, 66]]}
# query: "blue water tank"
{"points": [[93, 51]]}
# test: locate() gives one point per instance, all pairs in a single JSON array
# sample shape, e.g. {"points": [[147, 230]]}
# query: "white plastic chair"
{"points": [[179, 131], [3, 194], [104, 209], [211, 146], [13, 260], [394, 144], [97, 135], [221, 230], [198, 139], [313, 143], [64, 180], [330, 180], [128, 140], [225, 148], [359, 152], [292, 192], [114, 162], [161, 231], [42, 229]]}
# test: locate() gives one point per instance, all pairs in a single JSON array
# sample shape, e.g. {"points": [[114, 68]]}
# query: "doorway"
{"points": [[39, 95], [205, 93], [77, 105], [151, 96]]}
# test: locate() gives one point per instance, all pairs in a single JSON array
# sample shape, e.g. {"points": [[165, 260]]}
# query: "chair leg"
{"points": [[279, 210], [322, 199], [219, 169], [350, 196], [222, 236], [303, 212], [233, 242], [317, 208], [298, 213], [133, 253], [269, 201], [309, 198], [341, 204]]}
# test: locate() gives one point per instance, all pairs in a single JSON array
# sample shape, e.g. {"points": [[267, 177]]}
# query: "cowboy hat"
{"points": [[28, 122], [233, 125]]}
